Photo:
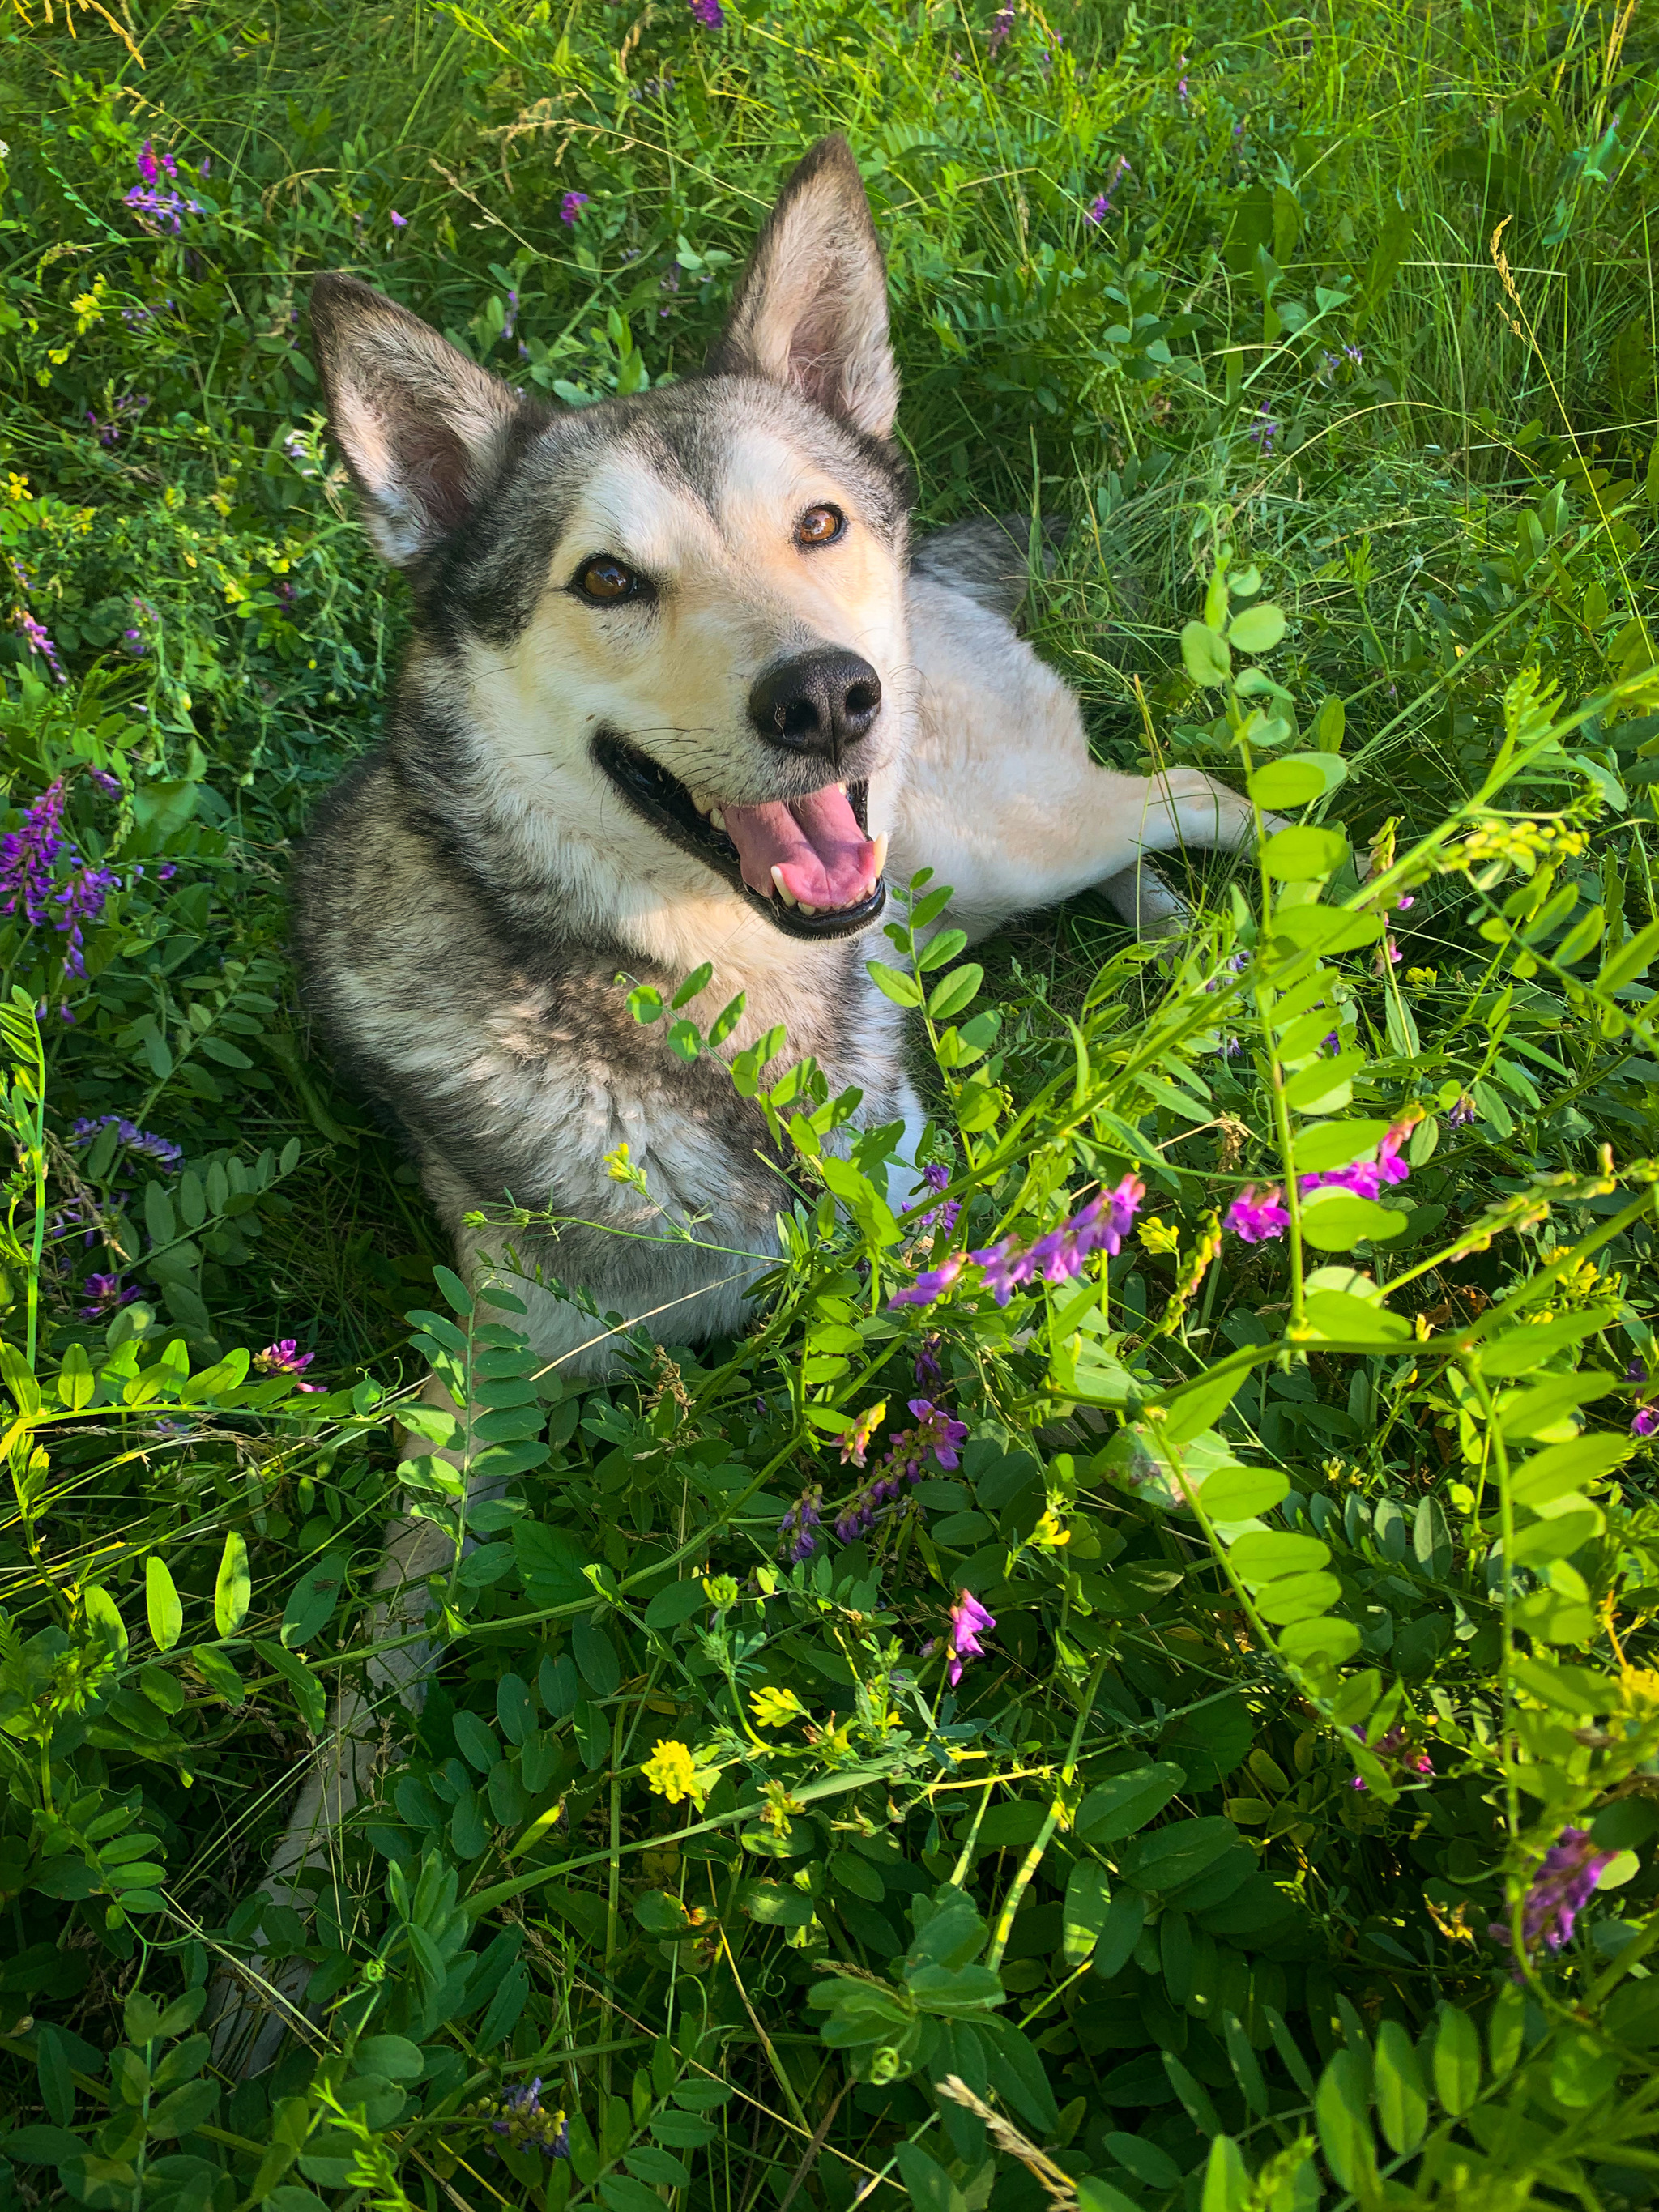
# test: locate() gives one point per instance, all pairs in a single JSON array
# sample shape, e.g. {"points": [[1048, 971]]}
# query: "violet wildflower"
{"points": [[144, 1144], [933, 1283], [105, 1294], [1560, 1889], [969, 1621], [571, 206], [939, 1433], [35, 634], [1391, 1744], [528, 2126], [1099, 208], [1263, 431], [1366, 1178], [106, 781], [708, 13], [1645, 1422], [929, 1373], [1636, 1371], [27, 855], [799, 1528], [1002, 24], [81, 898], [942, 1218], [1462, 1112], [399, 221], [1258, 1219], [147, 167], [285, 1358]]}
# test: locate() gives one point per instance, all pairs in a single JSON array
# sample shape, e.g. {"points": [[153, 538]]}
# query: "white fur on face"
{"points": [[732, 594]]}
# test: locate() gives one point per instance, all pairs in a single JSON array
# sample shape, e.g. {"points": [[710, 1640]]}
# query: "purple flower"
{"points": [[929, 1373], [799, 1526], [1645, 1422], [941, 1217], [285, 1358], [1101, 206], [147, 168], [529, 2125], [1636, 1371], [571, 206], [1258, 1219], [1002, 24], [1560, 1889], [399, 221], [27, 855], [1264, 430], [144, 1144], [931, 1284], [937, 1431], [1391, 1744], [169, 209], [81, 898], [35, 634], [708, 13], [106, 781], [105, 1294], [1366, 1178], [969, 1621], [1462, 1112]]}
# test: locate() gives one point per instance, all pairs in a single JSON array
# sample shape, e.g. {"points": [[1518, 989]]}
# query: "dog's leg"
{"points": [[1000, 798]]}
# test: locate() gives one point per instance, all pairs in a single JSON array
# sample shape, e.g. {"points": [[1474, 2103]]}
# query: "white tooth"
{"points": [[881, 853], [701, 801], [716, 817], [810, 909], [784, 891]]}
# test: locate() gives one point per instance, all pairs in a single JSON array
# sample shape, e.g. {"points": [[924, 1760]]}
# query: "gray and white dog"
{"points": [[677, 692]]}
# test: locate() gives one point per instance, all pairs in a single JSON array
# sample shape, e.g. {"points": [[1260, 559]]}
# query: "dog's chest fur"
{"points": [[489, 1026]]}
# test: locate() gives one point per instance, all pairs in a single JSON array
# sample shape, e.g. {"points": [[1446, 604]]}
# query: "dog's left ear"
{"points": [[811, 309]]}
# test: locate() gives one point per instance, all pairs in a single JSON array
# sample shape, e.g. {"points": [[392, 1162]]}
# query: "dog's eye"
{"points": [[820, 526], [606, 580]]}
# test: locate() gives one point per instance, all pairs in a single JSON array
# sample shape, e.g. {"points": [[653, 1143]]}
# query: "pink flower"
{"points": [[399, 222], [939, 1433], [1258, 1220], [969, 1621], [1645, 1422], [285, 1358]]}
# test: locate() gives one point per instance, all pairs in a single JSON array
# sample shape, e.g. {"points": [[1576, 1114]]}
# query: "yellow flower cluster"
{"points": [[1520, 844]]}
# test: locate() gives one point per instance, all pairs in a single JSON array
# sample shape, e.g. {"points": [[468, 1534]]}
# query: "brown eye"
{"points": [[820, 526], [606, 580]]}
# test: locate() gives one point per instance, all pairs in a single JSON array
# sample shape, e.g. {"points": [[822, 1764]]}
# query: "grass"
{"points": [[1358, 300]]}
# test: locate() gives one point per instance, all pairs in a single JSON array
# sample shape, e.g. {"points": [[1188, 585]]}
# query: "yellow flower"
{"points": [[672, 1772], [856, 1441], [1048, 1532], [1160, 1234], [773, 1708], [1422, 979], [17, 487]]}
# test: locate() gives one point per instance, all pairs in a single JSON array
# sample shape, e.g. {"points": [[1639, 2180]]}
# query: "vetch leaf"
{"points": [[1303, 855], [1402, 2102], [1204, 654], [1456, 2061], [1088, 1902], [1297, 780], [904, 990], [1127, 1802], [165, 1615], [1258, 630]]}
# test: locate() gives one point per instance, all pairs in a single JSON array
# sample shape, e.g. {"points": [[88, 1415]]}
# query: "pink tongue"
{"points": [[823, 856]]}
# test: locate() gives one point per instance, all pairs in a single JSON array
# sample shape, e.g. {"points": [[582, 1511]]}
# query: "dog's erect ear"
{"points": [[811, 309], [421, 427]]}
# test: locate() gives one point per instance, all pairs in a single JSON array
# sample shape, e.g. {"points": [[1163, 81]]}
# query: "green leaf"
{"points": [[165, 1613], [103, 1617], [1339, 2113], [596, 1658], [1402, 2101], [1265, 1554], [1096, 2195], [931, 2188], [1239, 1493], [1127, 1802], [1227, 2178], [904, 990], [1088, 1902], [1204, 654], [957, 990], [1456, 2061], [1335, 1221], [1432, 1543], [1303, 855], [311, 1601], [1258, 630], [309, 1691], [1202, 1403], [1328, 1144], [1631, 960], [1341, 1318], [1564, 1468], [645, 1004], [1532, 1413], [698, 980], [941, 949], [1120, 1934], [1297, 780], [1324, 1085]]}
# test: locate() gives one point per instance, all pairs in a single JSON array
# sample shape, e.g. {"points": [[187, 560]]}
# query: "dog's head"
{"points": [[691, 601]]}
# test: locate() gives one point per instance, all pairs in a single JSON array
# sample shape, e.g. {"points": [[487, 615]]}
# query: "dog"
{"points": [[677, 692]]}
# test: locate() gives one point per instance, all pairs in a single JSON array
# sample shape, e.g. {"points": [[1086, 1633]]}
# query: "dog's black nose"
{"points": [[818, 702]]}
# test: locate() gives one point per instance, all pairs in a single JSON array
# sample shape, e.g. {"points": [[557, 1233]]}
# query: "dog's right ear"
{"points": [[810, 311], [421, 427]]}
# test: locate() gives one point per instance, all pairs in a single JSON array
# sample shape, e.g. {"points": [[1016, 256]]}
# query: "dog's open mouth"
{"points": [[807, 863]]}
